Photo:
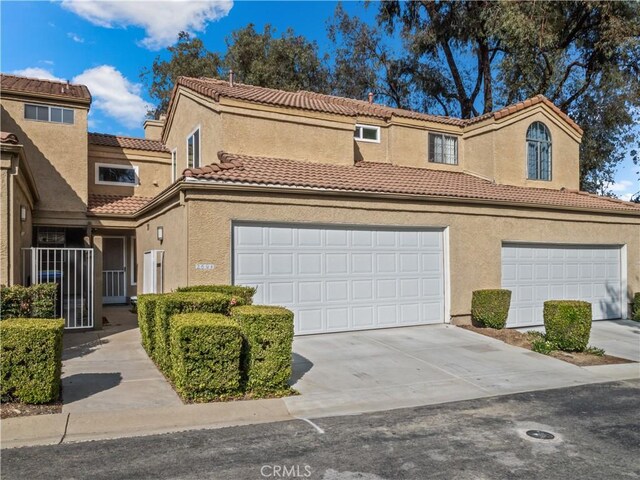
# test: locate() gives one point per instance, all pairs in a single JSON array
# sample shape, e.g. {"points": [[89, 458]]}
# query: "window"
{"points": [[174, 164], [443, 149], [122, 175], [193, 149], [367, 133], [538, 152], [46, 113]]}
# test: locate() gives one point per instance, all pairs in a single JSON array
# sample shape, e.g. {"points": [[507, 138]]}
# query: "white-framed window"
{"points": [[48, 113], [538, 152], [115, 174], [193, 148], [133, 261], [443, 148], [367, 133], [174, 164]]}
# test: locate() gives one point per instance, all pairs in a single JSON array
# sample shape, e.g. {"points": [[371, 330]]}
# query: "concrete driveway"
{"points": [[346, 373]]}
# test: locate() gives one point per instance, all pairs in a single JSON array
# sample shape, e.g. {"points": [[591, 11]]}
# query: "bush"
{"points": [[31, 359], [541, 345], [146, 320], [490, 308], [268, 336], [170, 304], [243, 295], [636, 307], [567, 324], [36, 301], [205, 355]]}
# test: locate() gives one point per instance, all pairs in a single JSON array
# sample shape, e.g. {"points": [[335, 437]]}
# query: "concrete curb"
{"points": [[87, 426]]}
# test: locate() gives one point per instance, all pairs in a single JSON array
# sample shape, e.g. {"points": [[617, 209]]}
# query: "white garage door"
{"points": [[535, 273], [338, 279]]}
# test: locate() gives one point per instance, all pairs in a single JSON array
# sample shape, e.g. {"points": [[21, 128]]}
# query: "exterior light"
{"points": [[160, 234], [23, 213]]}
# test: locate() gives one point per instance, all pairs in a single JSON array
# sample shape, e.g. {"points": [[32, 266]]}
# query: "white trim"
{"points": [[199, 130], [624, 312], [49, 107], [446, 253], [116, 165], [174, 164], [132, 259], [443, 135], [366, 140]]}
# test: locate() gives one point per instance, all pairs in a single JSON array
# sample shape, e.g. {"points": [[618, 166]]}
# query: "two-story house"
{"points": [[353, 214]]}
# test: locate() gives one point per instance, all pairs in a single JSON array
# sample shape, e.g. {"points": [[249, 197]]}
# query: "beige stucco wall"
{"points": [[476, 232], [57, 156], [154, 170]]}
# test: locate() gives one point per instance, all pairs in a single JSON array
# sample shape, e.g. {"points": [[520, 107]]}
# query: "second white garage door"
{"points": [[536, 273], [340, 279]]}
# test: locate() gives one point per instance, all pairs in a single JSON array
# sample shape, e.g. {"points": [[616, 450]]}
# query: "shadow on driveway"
{"points": [[84, 385]]}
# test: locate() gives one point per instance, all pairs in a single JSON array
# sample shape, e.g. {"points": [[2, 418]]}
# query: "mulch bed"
{"points": [[522, 340], [17, 409]]}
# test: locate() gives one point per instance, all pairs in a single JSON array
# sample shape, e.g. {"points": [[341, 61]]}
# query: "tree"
{"points": [[188, 57], [470, 57]]}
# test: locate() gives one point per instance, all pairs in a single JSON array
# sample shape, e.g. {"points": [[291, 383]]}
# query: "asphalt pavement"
{"points": [[596, 436]]}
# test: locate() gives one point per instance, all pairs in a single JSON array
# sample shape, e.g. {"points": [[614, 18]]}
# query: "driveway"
{"points": [[347, 373]]}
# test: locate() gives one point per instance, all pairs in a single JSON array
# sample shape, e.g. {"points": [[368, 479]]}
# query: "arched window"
{"points": [[538, 152]]}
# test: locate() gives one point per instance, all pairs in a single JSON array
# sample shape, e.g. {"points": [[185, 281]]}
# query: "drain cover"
{"points": [[540, 434]]}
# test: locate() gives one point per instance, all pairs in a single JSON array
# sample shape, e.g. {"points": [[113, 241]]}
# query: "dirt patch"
{"points": [[522, 340], [16, 409]]}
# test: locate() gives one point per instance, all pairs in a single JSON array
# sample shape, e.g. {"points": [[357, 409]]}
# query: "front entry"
{"points": [[114, 275]]}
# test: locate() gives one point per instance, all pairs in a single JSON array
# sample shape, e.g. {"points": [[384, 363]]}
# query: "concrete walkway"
{"points": [[107, 370]]}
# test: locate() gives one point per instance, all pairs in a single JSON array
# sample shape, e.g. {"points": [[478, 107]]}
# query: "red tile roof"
{"points": [[115, 204], [9, 138], [17, 84], [133, 143], [391, 179]]}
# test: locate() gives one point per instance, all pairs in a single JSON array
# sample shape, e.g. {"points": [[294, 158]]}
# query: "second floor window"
{"points": [[47, 113], [121, 175], [443, 149], [193, 149], [538, 152], [367, 133]]}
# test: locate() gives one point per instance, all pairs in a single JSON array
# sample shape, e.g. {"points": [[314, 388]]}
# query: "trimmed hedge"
{"points": [[36, 301], [171, 304], [268, 334], [205, 355], [567, 324], [490, 308], [243, 295], [146, 320], [636, 307], [31, 359]]}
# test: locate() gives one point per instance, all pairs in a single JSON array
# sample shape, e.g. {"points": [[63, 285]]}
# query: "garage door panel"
{"points": [[538, 273], [343, 279]]}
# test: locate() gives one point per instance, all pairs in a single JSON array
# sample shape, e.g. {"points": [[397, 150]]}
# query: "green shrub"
{"points": [[541, 345], [243, 295], [169, 304], [31, 359], [36, 301], [146, 307], [43, 300], [598, 352], [205, 355], [268, 335], [636, 307], [490, 308], [567, 324]]}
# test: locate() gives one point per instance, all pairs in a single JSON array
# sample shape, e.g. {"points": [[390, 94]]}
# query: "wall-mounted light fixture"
{"points": [[23, 213], [160, 234]]}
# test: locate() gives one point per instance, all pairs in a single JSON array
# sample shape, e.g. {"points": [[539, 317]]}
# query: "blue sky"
{"points": [[105, 44]]}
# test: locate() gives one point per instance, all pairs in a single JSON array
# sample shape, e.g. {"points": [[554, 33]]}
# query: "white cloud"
{"points": [[114, 95], [47, 62], [626, 197], [37, 72], [75, 38], [162, 21], [621, 186]]}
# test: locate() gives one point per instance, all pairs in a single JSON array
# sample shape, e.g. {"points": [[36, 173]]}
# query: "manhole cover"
{"points": [[540, 434]]}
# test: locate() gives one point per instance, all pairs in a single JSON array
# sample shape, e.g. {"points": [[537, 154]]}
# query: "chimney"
{"points": [[370, 97], [231, 78], [153, 128]]}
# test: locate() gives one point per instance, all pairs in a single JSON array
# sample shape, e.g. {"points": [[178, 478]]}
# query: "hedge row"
{"points": [[242, 295], [31, 359], [36, 301], [490, 308], [567, 324]]}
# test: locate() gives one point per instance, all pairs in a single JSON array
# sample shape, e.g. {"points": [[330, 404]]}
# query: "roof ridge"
{"points": [[113, 135], [60, 82]]}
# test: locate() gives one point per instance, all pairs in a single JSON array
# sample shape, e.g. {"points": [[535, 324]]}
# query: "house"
{"points": [[353, 214]]}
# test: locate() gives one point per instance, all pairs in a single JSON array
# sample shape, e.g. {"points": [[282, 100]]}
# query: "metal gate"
{"points": [[72, 269]]}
